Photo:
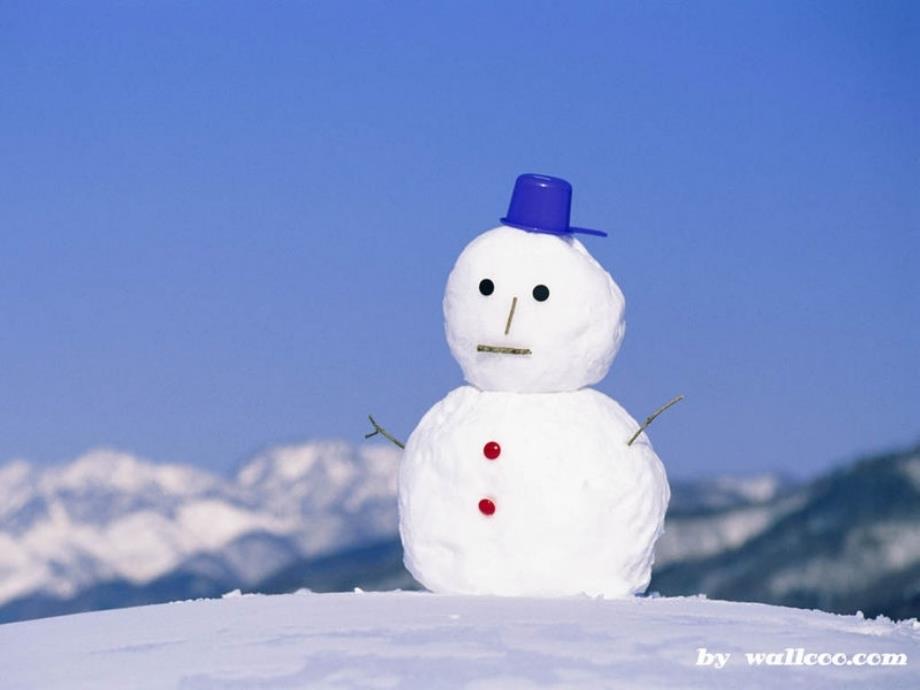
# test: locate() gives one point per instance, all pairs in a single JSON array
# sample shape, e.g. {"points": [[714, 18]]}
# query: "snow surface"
{"points": [[422, 640]]}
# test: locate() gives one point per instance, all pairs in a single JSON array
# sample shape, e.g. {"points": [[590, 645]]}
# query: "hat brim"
{"points": [[571, 230]]}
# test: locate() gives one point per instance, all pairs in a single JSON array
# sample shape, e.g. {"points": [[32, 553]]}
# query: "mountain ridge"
{"points": [[110, 529], [109, 516]]}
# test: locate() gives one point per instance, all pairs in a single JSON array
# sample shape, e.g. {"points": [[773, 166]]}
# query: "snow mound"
{"points": [[423, 640]]}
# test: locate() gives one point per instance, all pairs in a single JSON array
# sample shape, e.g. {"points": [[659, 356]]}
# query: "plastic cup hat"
{"points": [[541, 203]]}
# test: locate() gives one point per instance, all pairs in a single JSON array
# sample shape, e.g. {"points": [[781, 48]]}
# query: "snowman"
{"points": [[527, 482]]}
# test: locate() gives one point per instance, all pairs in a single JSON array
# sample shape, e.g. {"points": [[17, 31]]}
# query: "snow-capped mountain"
{"points": [[847, 541], [111, 518], [110, 530], [722, 493]]}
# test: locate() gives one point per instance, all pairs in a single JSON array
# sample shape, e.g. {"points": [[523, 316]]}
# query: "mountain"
{"points": [[845, 542], [110, 530], [422, 640], [848, 541]]}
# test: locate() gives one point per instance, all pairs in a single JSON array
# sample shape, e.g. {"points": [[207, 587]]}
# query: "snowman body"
{"points": [[573, 508], [522, 483]]}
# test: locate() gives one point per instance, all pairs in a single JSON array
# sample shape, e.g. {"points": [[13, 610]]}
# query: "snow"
{"points": [[711, 533], [912, 471], [757, 489], [867, 554], [568, 507], [576, 509], [110, 514], [423, 640], [111, 469], [15, 477], [573, 335]]}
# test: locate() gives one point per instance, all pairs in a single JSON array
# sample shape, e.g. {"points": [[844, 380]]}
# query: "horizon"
{"points": [[230, 469]]}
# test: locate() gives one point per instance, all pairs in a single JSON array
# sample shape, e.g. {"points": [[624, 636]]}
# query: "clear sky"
{"points": [[225, 225]]}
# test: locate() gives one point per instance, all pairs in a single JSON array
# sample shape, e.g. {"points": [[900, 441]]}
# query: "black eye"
{"points": [[486, 286], [541, 293]]}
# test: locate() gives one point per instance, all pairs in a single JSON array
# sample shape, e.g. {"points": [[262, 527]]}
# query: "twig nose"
{"points": [[510, 315]]}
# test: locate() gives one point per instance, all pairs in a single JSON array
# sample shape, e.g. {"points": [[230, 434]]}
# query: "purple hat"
{"points": [[541, 203]]}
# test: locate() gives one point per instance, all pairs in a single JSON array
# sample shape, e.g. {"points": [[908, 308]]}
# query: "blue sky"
{"points": [[225, 225]]}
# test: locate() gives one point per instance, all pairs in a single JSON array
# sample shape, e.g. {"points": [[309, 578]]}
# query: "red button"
{"points": [[491, 450], [486, 506]]}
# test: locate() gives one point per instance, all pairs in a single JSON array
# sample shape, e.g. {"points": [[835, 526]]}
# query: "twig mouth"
{"points": [[504, 350]]}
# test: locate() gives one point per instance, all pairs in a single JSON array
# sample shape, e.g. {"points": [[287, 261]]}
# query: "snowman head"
{"points": [[532, 312]]}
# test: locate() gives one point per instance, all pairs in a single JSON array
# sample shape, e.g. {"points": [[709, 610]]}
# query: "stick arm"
{"points": [[651, 418], [383, 432]]}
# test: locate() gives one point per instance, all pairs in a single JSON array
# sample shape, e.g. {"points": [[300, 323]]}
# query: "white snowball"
{"points": [[573, 335], [576, 509]]}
